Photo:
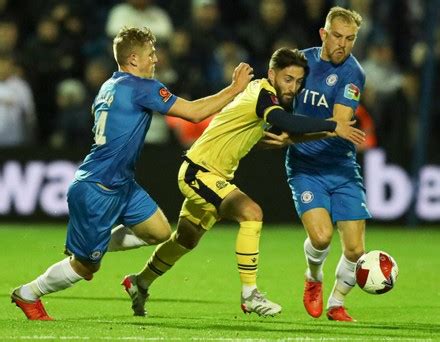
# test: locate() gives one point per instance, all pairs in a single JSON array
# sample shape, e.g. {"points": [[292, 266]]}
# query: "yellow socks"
{"points": [[247, 251], [163, 258]]}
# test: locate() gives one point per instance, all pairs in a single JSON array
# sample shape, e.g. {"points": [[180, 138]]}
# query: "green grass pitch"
{"points": [[199, 298]]}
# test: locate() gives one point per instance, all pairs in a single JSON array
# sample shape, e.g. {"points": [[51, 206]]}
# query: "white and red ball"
{"points": [[376, 272]]}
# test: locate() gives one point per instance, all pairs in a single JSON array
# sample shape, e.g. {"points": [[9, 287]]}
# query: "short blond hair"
{"points": [[128, 40], [346, 15]]}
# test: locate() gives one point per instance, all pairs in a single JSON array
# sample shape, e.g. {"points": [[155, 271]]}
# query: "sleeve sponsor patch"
{"points": [[164, 94], [352, 92]]}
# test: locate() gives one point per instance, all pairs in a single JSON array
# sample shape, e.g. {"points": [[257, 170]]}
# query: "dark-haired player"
{"points": [[209, 166]]}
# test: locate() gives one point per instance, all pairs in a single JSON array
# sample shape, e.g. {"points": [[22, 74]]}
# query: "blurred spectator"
{"points": [[179, 10], [406, 26], [234, 13], [434, 127], [206, 32], [139, 13], [4, 6], [54, 40], [164, 71], [10, 41], [285, 41], [159, 133], [398, 123], [270, 23], [383, 75], [309, 16], [382, 94], [96, 72], [9, 35], [190, 79], [227, 56], [11, 10], [74, 119], [17, 110], [69, 17], [47, 61]]}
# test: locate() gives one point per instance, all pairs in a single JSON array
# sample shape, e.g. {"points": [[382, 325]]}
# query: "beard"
{"points": [[287, 104]]}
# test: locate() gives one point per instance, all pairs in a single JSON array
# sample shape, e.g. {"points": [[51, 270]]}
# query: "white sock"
{"points": [[58, 277], [345, 281], [315, 259], [123, 238], [246, 290]]}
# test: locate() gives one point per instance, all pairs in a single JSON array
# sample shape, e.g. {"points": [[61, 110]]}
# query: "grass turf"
{"points": [[199, 298]]}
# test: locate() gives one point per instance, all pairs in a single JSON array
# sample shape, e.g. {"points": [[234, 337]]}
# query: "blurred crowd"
{"points": [[55, 54]]}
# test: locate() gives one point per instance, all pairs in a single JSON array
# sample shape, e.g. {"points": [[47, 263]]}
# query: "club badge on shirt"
{"points": [[331, 80], [352, 92]]}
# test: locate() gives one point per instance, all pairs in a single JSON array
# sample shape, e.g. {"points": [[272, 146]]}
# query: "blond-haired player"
{"points": [[104, 191]]}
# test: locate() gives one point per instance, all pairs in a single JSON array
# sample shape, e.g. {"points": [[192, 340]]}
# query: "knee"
{"points": [[164, 235], [321, 240], [153, 236], [252, 212], [84, 269], [160, 236], [354, 253]]}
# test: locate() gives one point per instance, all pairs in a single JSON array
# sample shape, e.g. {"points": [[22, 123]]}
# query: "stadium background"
{"points": [[58, 52], [55, 54]]}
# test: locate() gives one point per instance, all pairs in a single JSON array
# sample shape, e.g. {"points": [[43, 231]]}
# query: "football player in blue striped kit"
{"points": [[323, 174], [104, 192]]}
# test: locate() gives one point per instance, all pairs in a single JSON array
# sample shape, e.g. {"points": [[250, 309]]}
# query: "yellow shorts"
{"points": [[204, 192]]}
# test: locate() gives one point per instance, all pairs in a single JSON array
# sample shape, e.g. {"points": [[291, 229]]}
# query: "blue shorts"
{"points": [[93, 211], [339, 190]]}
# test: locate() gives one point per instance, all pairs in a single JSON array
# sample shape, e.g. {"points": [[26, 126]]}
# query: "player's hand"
{"points": [[241, 77], [345, 129], [272, 141]]}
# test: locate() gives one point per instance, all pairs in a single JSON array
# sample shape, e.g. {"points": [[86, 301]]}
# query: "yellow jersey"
{"points": [[235, 130]]}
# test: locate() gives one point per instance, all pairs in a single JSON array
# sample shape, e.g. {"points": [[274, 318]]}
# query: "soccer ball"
{"points": [[376, 272]]}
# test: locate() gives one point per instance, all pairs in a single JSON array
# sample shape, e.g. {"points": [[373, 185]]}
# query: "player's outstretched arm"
{"points": [[198, 110], [345, 130], [343, 115], [272, 140], [287, 127], [299, 124]]}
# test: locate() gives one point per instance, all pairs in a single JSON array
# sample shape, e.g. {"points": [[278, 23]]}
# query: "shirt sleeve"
{"points": [[153, 95], [266, 102], [298, 124], [349, 92]]}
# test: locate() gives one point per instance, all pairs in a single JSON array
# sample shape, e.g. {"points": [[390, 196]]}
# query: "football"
{"points": [[376, 272]]}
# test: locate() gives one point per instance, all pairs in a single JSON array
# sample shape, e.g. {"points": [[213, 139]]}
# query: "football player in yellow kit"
{"points": [[208, 168]]}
